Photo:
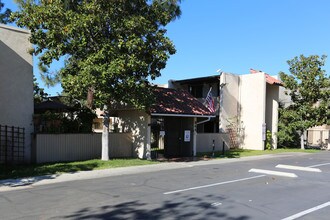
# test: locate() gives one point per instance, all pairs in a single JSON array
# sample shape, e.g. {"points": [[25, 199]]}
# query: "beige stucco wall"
{"points": [[229, 96], [253, 104], [136, 122], [204, 142], [16, 82]]}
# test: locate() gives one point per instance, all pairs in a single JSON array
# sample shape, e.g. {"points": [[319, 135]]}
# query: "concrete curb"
{"points": [[26, 183]]}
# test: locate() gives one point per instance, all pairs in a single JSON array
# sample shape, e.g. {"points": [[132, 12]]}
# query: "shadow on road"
{"points": [[181, 208]]}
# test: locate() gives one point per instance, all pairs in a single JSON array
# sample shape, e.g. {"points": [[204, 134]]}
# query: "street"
{"points": [[243, 189]]}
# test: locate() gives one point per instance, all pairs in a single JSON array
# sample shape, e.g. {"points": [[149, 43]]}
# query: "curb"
{"points": [[30, 182]]}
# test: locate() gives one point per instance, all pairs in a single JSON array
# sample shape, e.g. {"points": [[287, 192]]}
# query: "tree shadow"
{"points": [[186, 207], [21, 175]]}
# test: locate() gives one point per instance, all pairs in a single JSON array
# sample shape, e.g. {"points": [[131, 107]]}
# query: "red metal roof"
{"points": [[180, 102]]}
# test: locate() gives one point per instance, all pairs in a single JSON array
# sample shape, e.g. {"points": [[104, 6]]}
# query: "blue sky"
{"points": [[236, 35]]}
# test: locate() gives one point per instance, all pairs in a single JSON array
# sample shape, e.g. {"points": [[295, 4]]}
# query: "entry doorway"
{"points": [[176, 144], [173, 136]]}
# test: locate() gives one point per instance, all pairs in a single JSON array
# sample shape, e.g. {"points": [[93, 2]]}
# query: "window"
{"points": [[196, 90]]}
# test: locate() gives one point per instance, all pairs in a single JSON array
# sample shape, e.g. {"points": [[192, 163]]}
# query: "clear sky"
{"points": [[236, 35]]}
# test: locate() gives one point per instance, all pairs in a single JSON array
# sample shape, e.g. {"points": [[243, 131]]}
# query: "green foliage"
{"points": [[38, 93], [287, 135], [269, 140], [111, 46], [309, 89], [4, 16], [79, 121]]}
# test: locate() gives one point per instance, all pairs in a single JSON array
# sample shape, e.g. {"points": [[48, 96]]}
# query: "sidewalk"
{"points": [[25, 183]]}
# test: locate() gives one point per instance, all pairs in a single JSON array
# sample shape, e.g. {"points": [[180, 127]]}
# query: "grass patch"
{"points": [[20, 171], [245, 153]]}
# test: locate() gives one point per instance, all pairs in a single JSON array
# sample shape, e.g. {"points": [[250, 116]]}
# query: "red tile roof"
{"points": [[269, 79], [180, 102]]}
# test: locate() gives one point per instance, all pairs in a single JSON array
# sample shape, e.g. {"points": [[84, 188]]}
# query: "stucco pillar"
{"points": [[105, 135], [148, 147], [275, 123]]}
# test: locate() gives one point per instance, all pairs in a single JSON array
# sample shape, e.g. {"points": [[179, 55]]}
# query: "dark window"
{"points": [[211, 127], [196, 91]]}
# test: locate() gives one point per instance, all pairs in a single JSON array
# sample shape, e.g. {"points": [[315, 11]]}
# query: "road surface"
{"points": [[290, 186]]}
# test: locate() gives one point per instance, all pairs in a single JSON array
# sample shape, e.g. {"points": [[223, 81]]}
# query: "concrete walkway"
{"points": [[25, 183]]}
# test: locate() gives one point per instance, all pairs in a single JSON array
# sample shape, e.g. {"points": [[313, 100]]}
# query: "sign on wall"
{"points": [[186, 135]]}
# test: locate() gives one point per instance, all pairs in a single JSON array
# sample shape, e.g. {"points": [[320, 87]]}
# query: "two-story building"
{"points": [[16, 94], [246, 106]]}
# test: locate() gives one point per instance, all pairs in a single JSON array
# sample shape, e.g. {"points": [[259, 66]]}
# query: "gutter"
{"points": [[201, 122], [178, 115]]}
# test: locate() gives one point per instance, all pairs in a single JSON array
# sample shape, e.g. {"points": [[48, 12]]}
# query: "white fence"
{"points": [[76, 147], [204, 142]]}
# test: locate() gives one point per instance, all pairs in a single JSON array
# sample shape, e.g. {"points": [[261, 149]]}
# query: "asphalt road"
{"points": [[202, 190]]}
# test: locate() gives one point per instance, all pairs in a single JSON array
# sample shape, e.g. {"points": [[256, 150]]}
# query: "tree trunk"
{"points": [[105, 136]]}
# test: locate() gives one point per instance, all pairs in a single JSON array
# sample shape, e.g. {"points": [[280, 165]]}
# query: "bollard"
{"points": [[213, 146]]}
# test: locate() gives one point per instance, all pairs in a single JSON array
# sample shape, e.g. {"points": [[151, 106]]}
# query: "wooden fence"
{"points": [[77, 147]]}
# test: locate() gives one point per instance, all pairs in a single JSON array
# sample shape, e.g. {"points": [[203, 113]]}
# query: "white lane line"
{"points": [[319, 165], [216, 204], [298, 215], [290, 167], [271, 172], [214, 184]]}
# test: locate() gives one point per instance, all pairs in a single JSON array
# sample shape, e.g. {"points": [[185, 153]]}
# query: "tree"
{"points": [[111, 47], [4, 16], [38, 93], [309, 88]]}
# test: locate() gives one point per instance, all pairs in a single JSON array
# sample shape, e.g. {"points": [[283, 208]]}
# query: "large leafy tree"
{"points": [[4, 16], [111, 47], [309, 89]]}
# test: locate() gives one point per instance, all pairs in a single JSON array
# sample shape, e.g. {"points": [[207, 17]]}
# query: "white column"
{"points": [[105, 135], [275, 123], [148, 153]]}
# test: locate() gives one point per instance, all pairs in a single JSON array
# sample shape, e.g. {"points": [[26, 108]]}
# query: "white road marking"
{"points": [[298, 215], [290, 167], [214, 184], [271, 172], [319, 165], [216, 204]]}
